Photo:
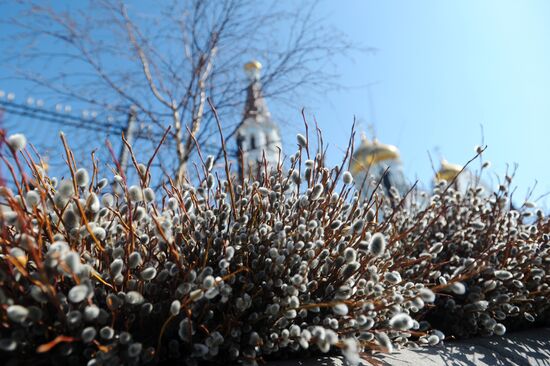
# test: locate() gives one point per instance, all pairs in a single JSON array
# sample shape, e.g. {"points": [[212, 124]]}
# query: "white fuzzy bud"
{"points": [[377, 244], [301, 140], [82, 178], [135, 194], [17, 141], [108, 200], [458, 288], [99, 233], [92, 203], [134, 260], [503, 275], [17, 313], [499, 329], [384, 341], [149, 194], [148, 273], [401, 321], [209, 163], [427, 295], [102, 183], [66, 189], [88, 334], [78, 293], [340, 309], [116, 267], [392, 277], [347, 177], [316, 191], [196, 295], [134, 298], [32, 198], [175, 307]]}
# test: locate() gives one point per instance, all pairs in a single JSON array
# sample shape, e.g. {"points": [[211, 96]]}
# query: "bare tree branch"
{"points": [[168, 61]]}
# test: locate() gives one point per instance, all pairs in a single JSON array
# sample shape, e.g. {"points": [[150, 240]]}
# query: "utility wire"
{"points": [[91, 124], [58, 118]]}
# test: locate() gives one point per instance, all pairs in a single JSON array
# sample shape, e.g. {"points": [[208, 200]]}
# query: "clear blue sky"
{"points": [[442, 69]]}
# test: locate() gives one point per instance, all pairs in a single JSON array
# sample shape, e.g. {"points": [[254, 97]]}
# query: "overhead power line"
{"points": [[64, 119]]}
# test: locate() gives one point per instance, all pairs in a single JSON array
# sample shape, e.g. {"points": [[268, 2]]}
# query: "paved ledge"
{"points": [[517, 349]]}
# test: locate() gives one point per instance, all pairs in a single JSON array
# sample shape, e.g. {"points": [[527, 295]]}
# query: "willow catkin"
{"points": [[17, 141], [78, 293], [347, 178], [377, 244], [82, 177], [401, 321], [302, 142], [149, 194], [290, 259]]}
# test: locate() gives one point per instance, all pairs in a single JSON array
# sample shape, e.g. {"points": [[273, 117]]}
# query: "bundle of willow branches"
{"points": [[295, 261]]}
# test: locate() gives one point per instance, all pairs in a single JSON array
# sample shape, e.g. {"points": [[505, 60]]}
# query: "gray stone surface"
{"points": [[516, 349]]}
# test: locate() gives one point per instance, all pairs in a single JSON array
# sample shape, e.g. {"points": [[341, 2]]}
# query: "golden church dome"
{"points": [[252, 70], [370, 153], [448, 171], [253, 65]]}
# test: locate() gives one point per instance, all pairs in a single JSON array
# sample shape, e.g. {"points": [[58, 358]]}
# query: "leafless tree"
{"points": [[166, 58]]}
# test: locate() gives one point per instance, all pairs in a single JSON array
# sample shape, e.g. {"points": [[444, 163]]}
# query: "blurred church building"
{"points": [[374, 165], [258, 137]]}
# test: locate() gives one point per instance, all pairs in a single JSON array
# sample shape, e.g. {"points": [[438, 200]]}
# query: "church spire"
{"points": [[258, 136], [255, 107]]}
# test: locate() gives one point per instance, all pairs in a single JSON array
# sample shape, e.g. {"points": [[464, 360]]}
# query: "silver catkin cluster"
{"points": [[246, 270], [491, 258]]}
